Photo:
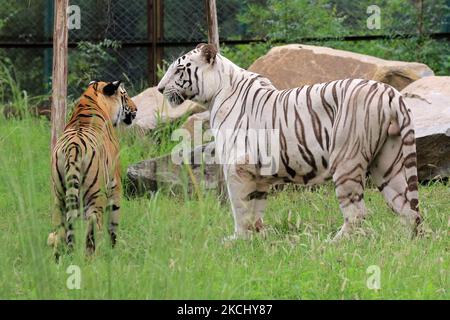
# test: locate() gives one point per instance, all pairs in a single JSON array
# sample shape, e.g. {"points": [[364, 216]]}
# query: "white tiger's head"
{"points": [[192, 76]]}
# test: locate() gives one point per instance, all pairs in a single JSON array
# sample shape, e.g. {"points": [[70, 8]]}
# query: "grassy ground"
{"points": [[170, 246]]}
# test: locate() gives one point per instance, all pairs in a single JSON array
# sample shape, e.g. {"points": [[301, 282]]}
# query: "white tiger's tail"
{"points": [[407, 134]]}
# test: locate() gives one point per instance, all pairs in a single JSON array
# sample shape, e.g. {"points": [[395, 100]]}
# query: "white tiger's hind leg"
{"points": [[247, 201], [349, 179], [260, 205], [260, 197], [389, 174]]}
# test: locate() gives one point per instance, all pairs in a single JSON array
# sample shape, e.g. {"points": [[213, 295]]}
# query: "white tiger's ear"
{"points": [[209, 52]]}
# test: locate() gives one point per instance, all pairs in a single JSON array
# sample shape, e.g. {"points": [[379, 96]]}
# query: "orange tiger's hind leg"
{"points": [[90, 236], [114, 212], [94, 216], [389, 174], [56, 239]]}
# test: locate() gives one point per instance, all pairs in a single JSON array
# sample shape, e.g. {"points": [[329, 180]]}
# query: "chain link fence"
{"points": [[142, 34]]}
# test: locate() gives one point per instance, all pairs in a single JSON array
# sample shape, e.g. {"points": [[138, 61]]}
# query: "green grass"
{"points": [[170, 246]]}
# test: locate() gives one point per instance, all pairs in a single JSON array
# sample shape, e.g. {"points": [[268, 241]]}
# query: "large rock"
{"points": [[197, 126], [429, 101], [295, 65], [152, 107], [166, 172]]}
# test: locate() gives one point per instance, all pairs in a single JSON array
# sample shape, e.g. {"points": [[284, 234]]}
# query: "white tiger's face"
{"points": [[187, 76]]}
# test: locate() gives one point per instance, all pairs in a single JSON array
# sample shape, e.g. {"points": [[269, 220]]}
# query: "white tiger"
{"points": [[337, 130]]}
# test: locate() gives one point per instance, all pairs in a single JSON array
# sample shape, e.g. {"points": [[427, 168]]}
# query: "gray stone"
{"points": [[294, 65], [149, 176], [429, 101]]}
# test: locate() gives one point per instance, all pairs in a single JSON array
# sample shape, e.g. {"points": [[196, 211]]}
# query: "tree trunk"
{"points": [[59, 78]]}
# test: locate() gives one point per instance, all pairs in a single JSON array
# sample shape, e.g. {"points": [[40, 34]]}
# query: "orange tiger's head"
{"points": [[113, 97]]}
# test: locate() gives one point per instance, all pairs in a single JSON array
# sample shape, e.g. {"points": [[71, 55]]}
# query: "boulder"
{"points": [[197, 125], [153, 107], [167, 172], [295, 65], [429, 101]]}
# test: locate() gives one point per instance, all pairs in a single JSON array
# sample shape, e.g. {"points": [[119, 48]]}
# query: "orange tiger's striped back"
{"points": [[85, 163]]}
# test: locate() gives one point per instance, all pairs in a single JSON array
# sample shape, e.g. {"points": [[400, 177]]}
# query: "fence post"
{"points": [[213, 37], [59, 79], [211, 19], [155, 31]]}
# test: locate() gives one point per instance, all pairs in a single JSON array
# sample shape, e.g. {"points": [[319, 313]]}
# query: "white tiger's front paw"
{"points": [[236, 236], [52, 239], [229, 239], [343, 234]]}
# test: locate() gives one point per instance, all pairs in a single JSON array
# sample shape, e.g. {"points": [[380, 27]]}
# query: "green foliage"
{"points": [[162, 133], [291, 21], [434, 53], [133, 86], [14, 101], [22, 19], [162, 68], [9, 87], [245, 54], [140, 145], [397, 16], [88, 62]]}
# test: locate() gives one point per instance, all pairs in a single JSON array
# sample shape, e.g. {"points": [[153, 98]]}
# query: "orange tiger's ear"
{"points": [[94, 84], [209, 52], [111, 88]]}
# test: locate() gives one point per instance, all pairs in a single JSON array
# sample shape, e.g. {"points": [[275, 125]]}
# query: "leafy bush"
{"points": [[291, 21], [88, 62], [14, 101], [434, 53], [245, 54]]}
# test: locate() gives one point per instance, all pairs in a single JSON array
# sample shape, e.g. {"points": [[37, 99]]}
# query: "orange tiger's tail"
{"points": [[72, 182]]}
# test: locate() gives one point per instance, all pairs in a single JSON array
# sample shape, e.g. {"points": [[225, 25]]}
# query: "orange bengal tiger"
{"points": [[85, 164]]}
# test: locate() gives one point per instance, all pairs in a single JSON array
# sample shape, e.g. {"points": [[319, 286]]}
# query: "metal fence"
{"points": [[144, 33]]}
